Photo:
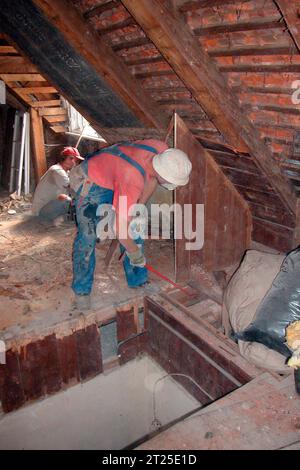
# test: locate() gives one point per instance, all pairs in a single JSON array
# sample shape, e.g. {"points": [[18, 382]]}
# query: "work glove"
{"points": [[137, 258]]}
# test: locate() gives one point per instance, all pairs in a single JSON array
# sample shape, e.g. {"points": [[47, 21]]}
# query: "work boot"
{"points": [[83, 302]]}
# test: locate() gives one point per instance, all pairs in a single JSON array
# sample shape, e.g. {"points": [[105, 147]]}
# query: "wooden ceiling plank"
{"points": [[251, 50], [45, 104], [54, 119], [263, 68], [185, 6], [59, 129], [116, 26], [16, 65], [88, 43], [196, 69], [8, 50], [52, 111], [253, 25], [35, 90], [130, 44], [22, 77]]}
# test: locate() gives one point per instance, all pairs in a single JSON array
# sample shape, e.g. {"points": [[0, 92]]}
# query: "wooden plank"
{"points": [[67, 354], [209, 186], [8, 50], [50, 365], [11, 387], [35, 90], [116, 26], [246, 179], [250, 50], [130, 44], [59, 129], [234, 161], [192, 5], [88, 352], [212, 184], [290, 12], [240, 25], [193, 65], [202, 335], [54, 119], [16, 65], [126, 326], [31, 368], [87, 42], [276, 236], [52, 112], [39, 368], [182, 197], [144, 61], [273, 214], [22, 77], [45, 104], [260, 68], [38, 145]]}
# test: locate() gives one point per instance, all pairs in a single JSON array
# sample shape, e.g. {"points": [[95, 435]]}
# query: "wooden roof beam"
{"points": [[196, 69], [291, 13], [99, 55]]}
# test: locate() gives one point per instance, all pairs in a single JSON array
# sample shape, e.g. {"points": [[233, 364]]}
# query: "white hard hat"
{"points": [[173, 165]]}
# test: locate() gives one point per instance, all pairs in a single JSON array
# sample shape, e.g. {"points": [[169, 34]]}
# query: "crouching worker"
{"points": [[130, 170], [51, 201]]}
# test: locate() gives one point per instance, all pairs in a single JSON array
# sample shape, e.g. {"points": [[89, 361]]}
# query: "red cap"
{"points": [[71, 152]]}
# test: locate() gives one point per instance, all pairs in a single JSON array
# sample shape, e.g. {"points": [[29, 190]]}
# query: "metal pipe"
{"points": [[13, 152], [22, 155], [97, 139]]}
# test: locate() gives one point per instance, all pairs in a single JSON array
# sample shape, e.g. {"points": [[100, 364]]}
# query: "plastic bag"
{"points": [[279, 308]]}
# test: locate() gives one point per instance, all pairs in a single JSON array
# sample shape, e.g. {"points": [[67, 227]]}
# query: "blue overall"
{"points": [[84, 259]]}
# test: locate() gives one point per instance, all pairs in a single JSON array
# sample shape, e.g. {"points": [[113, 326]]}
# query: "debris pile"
{"points": [[14, 204]]}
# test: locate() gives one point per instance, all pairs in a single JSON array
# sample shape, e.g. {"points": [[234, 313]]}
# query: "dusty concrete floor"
{"points": [[36, 272]]}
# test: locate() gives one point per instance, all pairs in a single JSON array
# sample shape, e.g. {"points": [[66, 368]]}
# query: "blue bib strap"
{"points": [[116, 151], [140, 146]]}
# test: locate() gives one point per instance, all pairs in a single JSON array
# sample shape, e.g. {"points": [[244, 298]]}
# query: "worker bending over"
{"points": [[51, 199], [132, 170]]}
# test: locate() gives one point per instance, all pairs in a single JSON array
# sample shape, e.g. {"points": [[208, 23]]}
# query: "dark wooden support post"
{"points": [[38, 145]]}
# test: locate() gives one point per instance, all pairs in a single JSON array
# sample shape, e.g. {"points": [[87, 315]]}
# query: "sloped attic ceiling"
{"points": [[254, 52]]}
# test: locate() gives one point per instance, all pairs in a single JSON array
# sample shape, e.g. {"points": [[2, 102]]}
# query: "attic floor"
{"points": [[36, 274]]}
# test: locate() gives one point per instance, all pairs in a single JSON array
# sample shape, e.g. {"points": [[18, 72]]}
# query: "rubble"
{"points": [[14, 204]]}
